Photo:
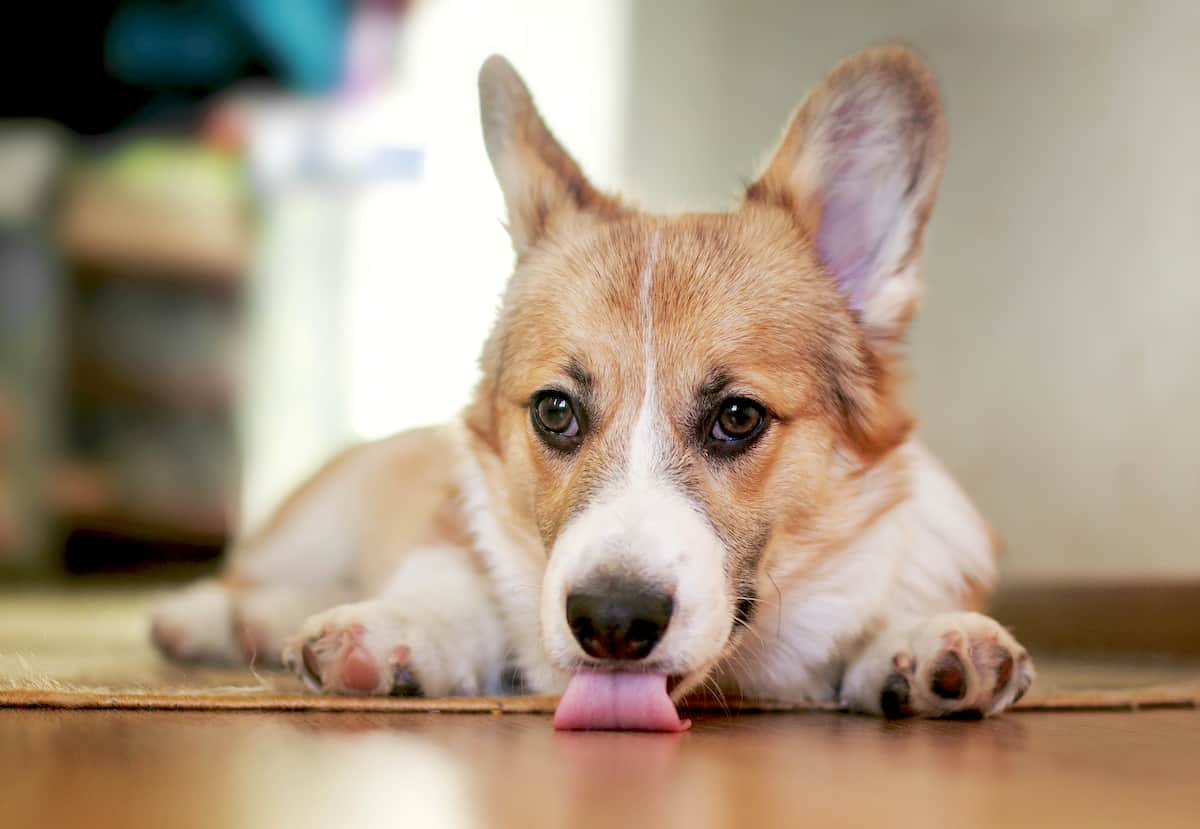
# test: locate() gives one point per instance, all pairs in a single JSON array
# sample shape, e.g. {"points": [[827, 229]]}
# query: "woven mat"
{"points": [[91, 651], [1128, 700]]}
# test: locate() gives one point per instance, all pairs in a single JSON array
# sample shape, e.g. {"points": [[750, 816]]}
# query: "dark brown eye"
{"points": [[554, 417], [737, 420]]}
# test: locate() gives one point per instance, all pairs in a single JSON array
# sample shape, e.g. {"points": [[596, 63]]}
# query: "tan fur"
{"points": [[408, 500]]}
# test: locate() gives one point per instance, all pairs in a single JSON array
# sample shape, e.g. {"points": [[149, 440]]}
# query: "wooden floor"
{"points": [[146, 769], [175, 770]]}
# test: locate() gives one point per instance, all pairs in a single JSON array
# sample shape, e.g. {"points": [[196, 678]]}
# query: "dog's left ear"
{"points": [[859, 167], [541, 183]]}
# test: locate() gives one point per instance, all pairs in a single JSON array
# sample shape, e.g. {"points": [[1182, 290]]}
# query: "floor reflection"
{"points": [[131, 770]]}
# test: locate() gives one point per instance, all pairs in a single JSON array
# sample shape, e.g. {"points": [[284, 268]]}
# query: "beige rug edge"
{"points": [[1174, 696]]}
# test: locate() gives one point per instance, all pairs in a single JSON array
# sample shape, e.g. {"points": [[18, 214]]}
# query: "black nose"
{"points": [[618, 619]]}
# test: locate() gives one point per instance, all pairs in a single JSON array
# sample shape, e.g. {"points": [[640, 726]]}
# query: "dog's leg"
{"points": [[433, 631], [297, 563], [223, 622], [195, 624], [952, 663]]}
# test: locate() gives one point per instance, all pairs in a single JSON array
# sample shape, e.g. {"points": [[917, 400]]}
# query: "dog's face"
{"points": [[672, 397]]}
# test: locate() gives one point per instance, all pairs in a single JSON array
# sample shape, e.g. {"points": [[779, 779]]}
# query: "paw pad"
{"points": [[961, 665], [405, 683], [357, 670], [340, 660], [949, 677], [894, 700], [1004, 669]]}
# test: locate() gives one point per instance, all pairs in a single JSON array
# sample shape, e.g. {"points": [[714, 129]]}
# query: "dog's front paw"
{"points": [[195, 624], [374, 648], [952, 664]]}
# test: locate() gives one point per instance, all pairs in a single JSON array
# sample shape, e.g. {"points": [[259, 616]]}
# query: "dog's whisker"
{"points": [[710, 682], [778, 606]]}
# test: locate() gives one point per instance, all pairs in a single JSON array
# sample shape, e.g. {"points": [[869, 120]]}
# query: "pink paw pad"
{"points": [[340, 661], [356, 669]]}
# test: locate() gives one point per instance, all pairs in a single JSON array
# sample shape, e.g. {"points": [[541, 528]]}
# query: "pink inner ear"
{"points": [[863, 194], [847, 246]]}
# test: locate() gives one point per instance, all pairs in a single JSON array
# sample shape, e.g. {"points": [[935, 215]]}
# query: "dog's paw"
{"points": [[195, 624], [374, 648], [954, 664]]}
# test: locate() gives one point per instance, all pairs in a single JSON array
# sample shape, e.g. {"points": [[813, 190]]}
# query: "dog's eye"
{"points": [[737, 420], [554, 418]]}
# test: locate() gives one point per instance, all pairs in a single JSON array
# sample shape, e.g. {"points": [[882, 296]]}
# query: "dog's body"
{"points": [[687, 461]]}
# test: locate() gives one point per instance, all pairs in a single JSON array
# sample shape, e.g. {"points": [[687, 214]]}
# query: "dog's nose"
{"points": [[618, 619]]}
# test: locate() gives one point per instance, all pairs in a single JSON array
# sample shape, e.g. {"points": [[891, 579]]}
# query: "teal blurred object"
{"points": [[186, 45], [306, 37], [206, 44]]}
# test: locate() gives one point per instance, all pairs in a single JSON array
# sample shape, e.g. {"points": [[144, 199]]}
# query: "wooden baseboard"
{"points": [[1150, 618]]}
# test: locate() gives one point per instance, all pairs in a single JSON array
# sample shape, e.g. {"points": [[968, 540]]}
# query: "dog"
{"points": [[687, 465]]}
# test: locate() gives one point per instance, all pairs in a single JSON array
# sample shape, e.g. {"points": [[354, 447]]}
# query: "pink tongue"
{"points": [[614, 702]]}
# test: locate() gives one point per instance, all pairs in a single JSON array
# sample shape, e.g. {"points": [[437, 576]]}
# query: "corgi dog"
{"points": [[687, 464]]}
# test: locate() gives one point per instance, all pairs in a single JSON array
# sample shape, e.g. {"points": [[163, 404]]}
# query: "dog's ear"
{"points": [[859, 167], [541, 183]]}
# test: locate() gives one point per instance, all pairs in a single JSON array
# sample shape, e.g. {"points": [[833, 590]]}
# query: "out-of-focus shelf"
{"points": [[84, 498], [121, 236], [100, 267], [176, 525], [97, 383], [157, 237]]}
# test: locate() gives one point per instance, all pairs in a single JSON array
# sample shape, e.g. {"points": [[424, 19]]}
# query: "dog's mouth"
{"points": [[633, 695], [619, 701], [628, 700]]}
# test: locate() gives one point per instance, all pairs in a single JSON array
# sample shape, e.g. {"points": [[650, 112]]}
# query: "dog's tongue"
{"points": [[613, 702]]}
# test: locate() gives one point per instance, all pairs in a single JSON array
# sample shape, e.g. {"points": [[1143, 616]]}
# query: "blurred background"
{"points": [[238, 234]]}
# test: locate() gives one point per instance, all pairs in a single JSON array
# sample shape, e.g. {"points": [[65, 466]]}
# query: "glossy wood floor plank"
{"points": [[143, 769]]}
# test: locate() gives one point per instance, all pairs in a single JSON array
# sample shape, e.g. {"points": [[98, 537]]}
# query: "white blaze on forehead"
{"points": [[643, 526], [645, 448]]}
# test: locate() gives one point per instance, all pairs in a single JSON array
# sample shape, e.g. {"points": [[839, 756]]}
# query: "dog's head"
{"points": [[671, 396]]}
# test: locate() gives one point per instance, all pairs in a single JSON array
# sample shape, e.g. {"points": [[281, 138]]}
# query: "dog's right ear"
{"points": [[858, 168], [541, 183]]}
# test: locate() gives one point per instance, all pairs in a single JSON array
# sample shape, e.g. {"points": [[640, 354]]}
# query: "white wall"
{"points": [[1057, 360]]}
